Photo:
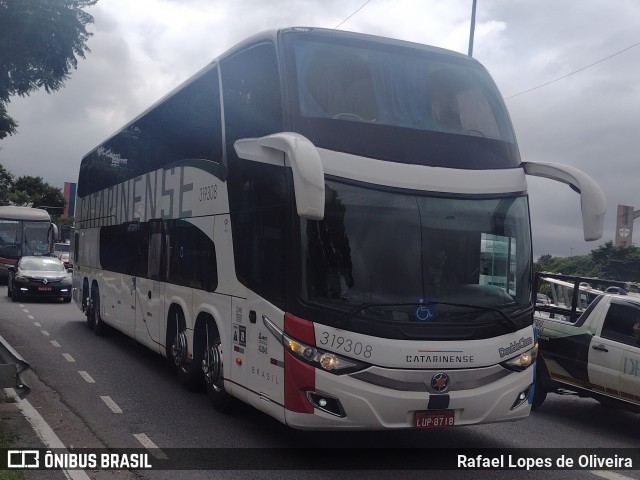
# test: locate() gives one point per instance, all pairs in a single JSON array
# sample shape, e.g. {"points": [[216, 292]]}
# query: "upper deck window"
{"points": [[398, 87], [395, 101]]}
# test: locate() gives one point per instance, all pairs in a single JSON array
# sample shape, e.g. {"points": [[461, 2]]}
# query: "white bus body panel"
{"points": [[421, 177]]}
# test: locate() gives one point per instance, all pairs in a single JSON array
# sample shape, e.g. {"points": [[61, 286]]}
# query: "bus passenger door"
{"points": [[149, 286]]}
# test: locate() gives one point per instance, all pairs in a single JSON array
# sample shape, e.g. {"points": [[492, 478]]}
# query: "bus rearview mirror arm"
{"points": [[592, 199], [303, 158]]}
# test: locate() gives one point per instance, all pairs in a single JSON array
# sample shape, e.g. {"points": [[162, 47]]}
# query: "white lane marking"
{"points": [[55, 344], [86, 376], [37, 324], [45, 333], [111, 404], [44, 431], [24, 309], [31, 317], [149, 445], [610, 475], [69, 357]]}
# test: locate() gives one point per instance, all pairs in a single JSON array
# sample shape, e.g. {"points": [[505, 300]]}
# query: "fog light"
{"points": [[521, 398], [326, 403]]}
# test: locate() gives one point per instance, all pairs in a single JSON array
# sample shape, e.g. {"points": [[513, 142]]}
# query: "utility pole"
{"points": [[473, 27]]}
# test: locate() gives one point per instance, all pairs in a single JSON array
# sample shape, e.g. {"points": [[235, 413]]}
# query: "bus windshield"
{"points": [[436, 109], [19, 237], [399, 251]]}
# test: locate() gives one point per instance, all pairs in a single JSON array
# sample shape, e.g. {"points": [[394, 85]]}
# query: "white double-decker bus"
{"points": [[331, 227]]}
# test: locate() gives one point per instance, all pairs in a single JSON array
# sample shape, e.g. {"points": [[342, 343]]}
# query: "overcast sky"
{"points": [[590, 119]]}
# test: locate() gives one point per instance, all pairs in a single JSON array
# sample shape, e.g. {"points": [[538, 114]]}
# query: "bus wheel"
{"points": [[189, 374], [212, 366], [99, 327], [87, 307]]}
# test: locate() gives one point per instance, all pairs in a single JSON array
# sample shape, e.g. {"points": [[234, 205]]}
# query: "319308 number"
{"points": [[209, 192], [346, 344]]}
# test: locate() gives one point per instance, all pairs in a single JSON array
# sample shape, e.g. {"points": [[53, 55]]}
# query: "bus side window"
{"points": [[257, 192], [251, 93]]}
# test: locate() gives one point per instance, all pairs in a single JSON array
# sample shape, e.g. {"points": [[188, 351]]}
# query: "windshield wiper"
{"points": [[510, 321]]}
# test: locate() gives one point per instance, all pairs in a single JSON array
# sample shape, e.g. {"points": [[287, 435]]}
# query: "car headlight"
{"points": [[522, 361], [20, 279]]}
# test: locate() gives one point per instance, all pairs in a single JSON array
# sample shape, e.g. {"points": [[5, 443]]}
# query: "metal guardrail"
{"points": [[11, 366]]}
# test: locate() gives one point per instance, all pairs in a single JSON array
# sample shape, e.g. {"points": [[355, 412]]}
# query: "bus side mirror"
{"points": [[303, 158], [592, 199]]}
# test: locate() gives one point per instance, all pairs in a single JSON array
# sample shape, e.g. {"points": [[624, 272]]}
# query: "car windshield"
{"points": [[396, 257], [41, 264]]}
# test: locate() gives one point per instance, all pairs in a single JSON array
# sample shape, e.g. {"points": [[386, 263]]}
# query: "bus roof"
{"points": [[24, 213]]}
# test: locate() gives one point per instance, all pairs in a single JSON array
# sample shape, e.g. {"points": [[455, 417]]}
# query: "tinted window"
{"points": [[252, 98], [258, 192], [187, 125], [119, 246], [620, 322], [259, 230], [398, 103], [191, 256], [392, 250]]}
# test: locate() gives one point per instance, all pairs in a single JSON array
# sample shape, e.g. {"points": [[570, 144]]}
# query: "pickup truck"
{"points": [[593, 351]]}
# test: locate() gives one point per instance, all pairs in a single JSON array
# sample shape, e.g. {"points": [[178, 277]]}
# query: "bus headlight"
{"points": [[317, 357], [522, 361]]}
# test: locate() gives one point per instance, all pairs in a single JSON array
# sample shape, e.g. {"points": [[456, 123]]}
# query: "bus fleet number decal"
{"points": [[346, 345], [210, 192]]}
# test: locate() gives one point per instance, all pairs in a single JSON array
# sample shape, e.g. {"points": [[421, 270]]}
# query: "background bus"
{"points": [[331, 227], [24, 231]]}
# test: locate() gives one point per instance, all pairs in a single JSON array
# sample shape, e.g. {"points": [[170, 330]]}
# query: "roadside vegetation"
{"points": [[8, 439], [606, 261]]}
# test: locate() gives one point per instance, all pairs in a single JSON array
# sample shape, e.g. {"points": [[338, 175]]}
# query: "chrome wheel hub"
{"points": [[179, 349], [212, 367]]}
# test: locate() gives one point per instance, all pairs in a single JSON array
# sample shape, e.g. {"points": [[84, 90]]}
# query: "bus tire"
{"points": [[212, 366], [87, 305], [99, 327], [188, 369], [539, 391]]}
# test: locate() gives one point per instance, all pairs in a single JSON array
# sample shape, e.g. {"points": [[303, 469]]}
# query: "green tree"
{"points": [[617, 263], [40, 42], [36, 192], [6, 182], [544, 263]]}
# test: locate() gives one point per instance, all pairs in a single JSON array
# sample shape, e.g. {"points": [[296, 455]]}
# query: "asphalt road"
{"points": [[109, 392]]}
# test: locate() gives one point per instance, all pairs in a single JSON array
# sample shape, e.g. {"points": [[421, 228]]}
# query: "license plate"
{"points": [[45, 289], [435, 419]]}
